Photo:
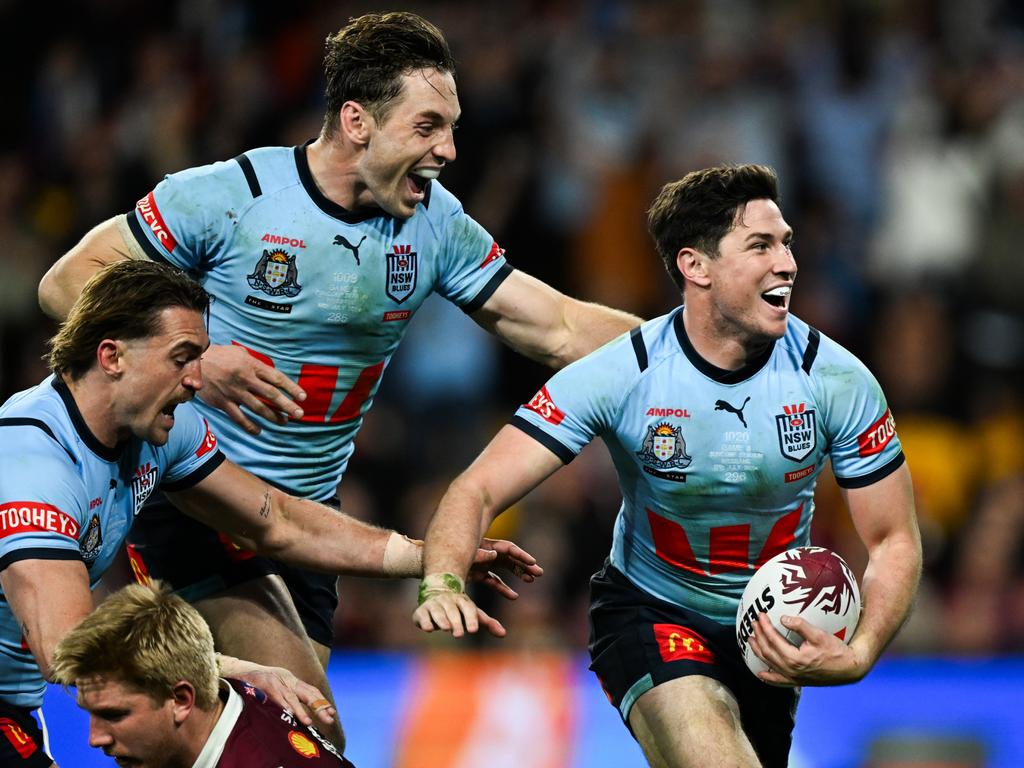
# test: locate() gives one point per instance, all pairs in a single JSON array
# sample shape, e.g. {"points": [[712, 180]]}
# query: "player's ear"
{"points": [[693, 265], [110, 357], [183, 700], [355, 122]]}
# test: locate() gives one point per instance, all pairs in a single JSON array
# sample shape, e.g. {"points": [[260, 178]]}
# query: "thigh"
{"points": [[257, 621], [691, 721], [315, 596], [22, 739]]}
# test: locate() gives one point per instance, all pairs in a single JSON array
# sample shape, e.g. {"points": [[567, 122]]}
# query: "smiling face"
{"points": [[747, 287], [159, 372], [131, 726], [411, 144]]}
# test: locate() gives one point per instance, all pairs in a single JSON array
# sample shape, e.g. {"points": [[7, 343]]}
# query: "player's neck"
{"points": [[333, 168], [95, 404], [719, 343], [197, 729]]}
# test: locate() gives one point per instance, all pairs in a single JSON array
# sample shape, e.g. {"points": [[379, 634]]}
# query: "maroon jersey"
{"points": [[262, 735]]}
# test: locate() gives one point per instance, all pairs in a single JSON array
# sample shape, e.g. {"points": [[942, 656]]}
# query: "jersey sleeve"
{"points": [[188, 216], [43, 501], [192, 452], [580, 402], [864, 445], [473, 263]]}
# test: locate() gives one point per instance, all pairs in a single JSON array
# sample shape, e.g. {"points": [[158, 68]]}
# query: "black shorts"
{"points": [[199, 562], [638, 641], [22, 740]]}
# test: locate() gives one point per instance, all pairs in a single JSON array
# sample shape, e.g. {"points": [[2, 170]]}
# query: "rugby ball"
{"points": [[813, 583]]}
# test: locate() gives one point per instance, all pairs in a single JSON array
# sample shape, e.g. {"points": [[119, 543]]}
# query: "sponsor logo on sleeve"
{"points": [[494, 254], [678, 643], [151, 215], [876, 437], [35, 517], [209, 441], [545, 407], [797, 429]]}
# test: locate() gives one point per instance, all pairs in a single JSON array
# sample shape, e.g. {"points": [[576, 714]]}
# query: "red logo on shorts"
{"points": [[677, 643], [21, 741]]}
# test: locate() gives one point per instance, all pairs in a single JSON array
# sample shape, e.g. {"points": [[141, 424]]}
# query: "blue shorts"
{"points": [[22, 738], [638, 641], [198, 562]]}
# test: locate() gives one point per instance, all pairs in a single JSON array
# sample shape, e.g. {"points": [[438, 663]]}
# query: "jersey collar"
{"points": [[90, 440], [327, 205], [721, 375]]}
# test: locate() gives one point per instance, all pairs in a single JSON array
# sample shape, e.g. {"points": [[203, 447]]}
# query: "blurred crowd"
{"points": [[897, 128]]}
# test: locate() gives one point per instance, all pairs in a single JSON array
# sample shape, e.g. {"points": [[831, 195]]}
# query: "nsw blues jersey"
{"points": [[717, 468], [321, 293], [66, 496]]}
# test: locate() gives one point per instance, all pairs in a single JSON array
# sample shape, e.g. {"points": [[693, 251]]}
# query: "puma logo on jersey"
{"points": [[339, 240], [722, 405]]}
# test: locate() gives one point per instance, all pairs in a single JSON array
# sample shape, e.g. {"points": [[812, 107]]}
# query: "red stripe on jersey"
{"points": [[671, 544], [35, 517]]}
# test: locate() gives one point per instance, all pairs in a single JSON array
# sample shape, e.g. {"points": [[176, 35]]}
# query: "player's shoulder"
{"points": [[656, 340], [249, 174], [440, 204], [41, 421], [813, 352]]}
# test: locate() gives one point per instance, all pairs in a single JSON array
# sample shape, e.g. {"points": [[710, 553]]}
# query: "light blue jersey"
{"points": [[321, 293], [717, 468], [66, 496]]}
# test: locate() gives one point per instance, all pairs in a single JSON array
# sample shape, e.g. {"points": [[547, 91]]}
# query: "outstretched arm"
{"points": [[885, 519], [509, 468], [262, 518], [547, 326]]}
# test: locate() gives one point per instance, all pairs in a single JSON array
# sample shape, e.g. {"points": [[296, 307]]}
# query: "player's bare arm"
{"points": [[233, 378], [886, 521], [63, 282], [508, 468], [48, 598], [547, 326], [260, 517]]}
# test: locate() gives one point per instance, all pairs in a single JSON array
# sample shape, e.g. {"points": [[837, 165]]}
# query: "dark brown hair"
{"points": [[121, 301], [367, 58], [701, 208]]}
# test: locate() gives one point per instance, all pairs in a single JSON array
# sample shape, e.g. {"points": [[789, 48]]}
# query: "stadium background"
{"points": [[898, 131]]}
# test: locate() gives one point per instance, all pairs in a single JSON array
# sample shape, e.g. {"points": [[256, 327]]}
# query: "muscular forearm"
{"points": [[589, 326], [455, 531], [887, 593]]}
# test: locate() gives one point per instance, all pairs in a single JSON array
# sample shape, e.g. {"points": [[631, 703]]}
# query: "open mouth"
{"points": [[420, 177], [778, 297]]}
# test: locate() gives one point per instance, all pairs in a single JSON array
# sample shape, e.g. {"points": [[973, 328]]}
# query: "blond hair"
{"points": [[147, 637]]}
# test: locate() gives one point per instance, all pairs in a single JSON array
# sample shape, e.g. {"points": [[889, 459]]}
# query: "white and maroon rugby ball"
{"points": [[813, 583]]}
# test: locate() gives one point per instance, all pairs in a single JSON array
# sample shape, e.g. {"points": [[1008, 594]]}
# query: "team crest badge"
{"points": [[798, 434], [143, 484], [275, 274], [92, 541], [401, 277], [664, 449]]}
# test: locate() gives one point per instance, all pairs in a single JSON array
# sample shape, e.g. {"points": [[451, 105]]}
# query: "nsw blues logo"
{"points": [[143, 484], [401, 277], [798, 433], [275, 274], [663, 450]]}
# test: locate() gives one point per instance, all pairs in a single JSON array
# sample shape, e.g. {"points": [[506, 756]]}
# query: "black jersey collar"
{"points": [[721, 375], [91, 441], [327, 205]]}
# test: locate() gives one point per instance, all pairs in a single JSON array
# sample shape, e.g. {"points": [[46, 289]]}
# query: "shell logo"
{"points": [[303, 745]]}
